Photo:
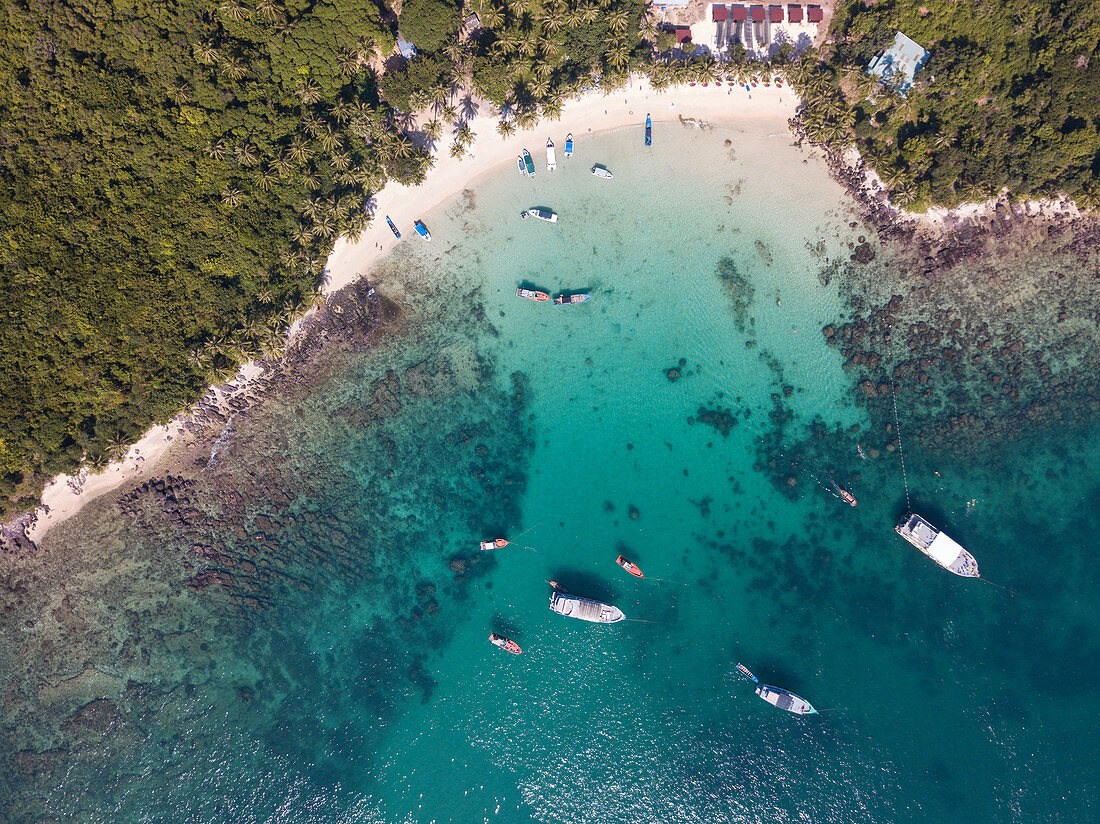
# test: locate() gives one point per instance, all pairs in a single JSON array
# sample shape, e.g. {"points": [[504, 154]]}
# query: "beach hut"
{"points": [[813, 14], [794, 14], [683, 34], [719, 14], [775, 14]]}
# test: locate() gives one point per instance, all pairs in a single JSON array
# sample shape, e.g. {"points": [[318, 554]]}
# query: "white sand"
{"points": [[595, 112]]}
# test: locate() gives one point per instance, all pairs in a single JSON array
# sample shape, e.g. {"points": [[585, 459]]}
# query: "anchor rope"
{"points": [[901, 449]]}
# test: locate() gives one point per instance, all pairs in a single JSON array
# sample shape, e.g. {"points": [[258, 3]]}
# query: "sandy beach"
{"points": [[594, 112]]}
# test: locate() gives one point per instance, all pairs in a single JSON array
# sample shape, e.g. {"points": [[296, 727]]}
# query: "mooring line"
{"points": [[901, 449]]}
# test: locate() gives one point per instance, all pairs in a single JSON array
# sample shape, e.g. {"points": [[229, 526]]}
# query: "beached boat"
{"points": [[541, 214], [629, 566], [528, 163], [531, 294], [551, 156], [777, 696], [496, 543], [393, 228], [648, 131], [584, 609], [506, 644], [522, 165], [422, 230], [569, 145], [565, 300], [600, 171], [937, 546]]}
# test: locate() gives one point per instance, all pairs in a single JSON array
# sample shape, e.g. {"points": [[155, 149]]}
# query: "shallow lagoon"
{"points": [[362, 687]]}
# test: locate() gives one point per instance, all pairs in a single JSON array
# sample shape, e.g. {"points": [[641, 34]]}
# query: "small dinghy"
{"points": [[629, 566], [496, 543], [393, 228], [778, 697], [506, 644], [569, 145], [531, 294], [600, 171], [584, 609], [541, 214], [565, 300], [422, 230]]}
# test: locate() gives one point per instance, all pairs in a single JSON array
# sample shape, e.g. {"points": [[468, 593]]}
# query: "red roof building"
{"points": [[813, 14], [718, 13], [775, 14], [758, 14], [738, 14], [683, 33], [794, 14]]}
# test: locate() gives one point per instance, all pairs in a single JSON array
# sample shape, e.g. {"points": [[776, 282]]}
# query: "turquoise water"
{"points": [[344, 675]]}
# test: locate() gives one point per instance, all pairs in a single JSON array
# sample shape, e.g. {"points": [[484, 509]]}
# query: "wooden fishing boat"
{"points": [[551, 157], [393, 228], [528, 163], [496, 543], [601, 172], [422, 230], [569, 145], [541, 214], [506, 644], [648, 131], [565, 300], [846, 496], [531, 294], [584, 609], [937, 546], [629, 566], [778, 697]]}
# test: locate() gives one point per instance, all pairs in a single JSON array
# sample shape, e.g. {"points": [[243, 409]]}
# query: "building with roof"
{"points": [[899, 64], [407, 49], [814, 14]]}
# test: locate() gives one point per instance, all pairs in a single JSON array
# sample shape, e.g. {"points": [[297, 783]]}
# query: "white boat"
{"points": [[937, 545], [600, 171], [522, 165], [785, 700], [541, 214], [584, 609], [551, 157], [422, 230], [569, 145]]}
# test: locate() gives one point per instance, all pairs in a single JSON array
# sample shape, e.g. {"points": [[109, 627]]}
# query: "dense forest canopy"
{"points": [[173, 175]]}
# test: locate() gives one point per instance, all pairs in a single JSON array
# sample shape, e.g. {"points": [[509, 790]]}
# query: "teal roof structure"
{"points": [[898, 65]]}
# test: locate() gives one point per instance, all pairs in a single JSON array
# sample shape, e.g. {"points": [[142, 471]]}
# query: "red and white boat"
{"points": [[496, 543], [629, 566], [531, 294], [506, 644]]}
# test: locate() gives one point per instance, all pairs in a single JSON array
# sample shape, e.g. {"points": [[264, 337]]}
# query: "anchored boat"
{"points": [[541, 214], [569, 145], [531, 294], [496, 543], [600, 171], [778, 697], [551, 157], [585, 609], [393, 228], [522, 165], [937, 546], [648, 131], [528, 163], [506, 644], [629, 566], [422, 230], [565, 300]]}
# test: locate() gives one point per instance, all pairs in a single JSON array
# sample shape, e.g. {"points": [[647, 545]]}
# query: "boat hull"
{"points": [[785, 700], [528, 163], [569, 145], [422, 230], [543, 214], [567, 300], [531, 294], [584, 609], [506, 644], [630, 567]]}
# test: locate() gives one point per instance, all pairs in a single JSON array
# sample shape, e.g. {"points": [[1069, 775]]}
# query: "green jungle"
{"points": [[174, 174]]}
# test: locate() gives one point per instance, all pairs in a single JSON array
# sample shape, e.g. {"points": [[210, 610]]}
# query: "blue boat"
{"points": [[569, 145], [648, 131], [565, 300], [528, 163], [393, 228], [522, 166], [422, 230]]}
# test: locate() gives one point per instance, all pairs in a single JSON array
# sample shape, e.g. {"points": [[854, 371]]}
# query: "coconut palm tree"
{"points": [[246, 154], [329, 140], [216, 149], [266, 179], [506, 128], [206, 53], [309, 92], [232, 68], [232, 10], [618, 20]]}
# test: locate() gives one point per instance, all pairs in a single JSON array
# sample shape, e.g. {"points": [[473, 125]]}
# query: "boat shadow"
{"points": [[529, 284], [585, 584], [503, 626]]}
